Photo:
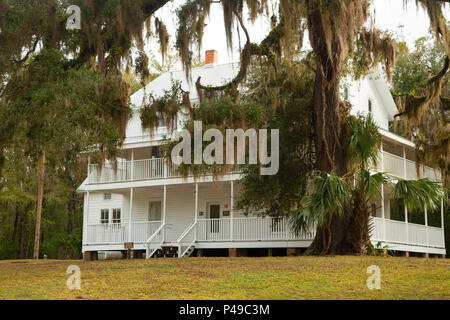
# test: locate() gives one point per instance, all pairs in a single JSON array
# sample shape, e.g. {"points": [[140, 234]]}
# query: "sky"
{"points": [[409, 23]]}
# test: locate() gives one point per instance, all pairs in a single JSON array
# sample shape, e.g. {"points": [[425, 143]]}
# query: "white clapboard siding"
{"points": [[141, 201], [97, 203], [180, 210]]}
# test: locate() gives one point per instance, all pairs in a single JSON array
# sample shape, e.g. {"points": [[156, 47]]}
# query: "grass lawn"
{"points": [[229, 278]]}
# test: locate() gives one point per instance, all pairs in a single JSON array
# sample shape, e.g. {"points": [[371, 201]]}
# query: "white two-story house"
{"points": [[146, 206]]}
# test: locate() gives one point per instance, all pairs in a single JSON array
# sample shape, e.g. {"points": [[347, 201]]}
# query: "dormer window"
{"points": [[370, 107]]}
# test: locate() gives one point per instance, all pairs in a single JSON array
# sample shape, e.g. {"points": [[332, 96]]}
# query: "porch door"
{"points": [[214, 213], [154, 216]]}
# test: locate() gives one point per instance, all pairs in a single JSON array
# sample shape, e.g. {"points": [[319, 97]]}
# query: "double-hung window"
{"points": [[104, 216], [116, 216]]}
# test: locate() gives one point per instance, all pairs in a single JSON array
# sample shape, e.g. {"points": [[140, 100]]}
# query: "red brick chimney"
{"points": [[211, 57]]}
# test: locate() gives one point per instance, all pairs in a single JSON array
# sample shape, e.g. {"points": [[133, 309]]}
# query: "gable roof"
{"points": [[380, 82], [211, 75]]}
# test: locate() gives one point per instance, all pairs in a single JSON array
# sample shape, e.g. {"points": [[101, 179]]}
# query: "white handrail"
{"points": [[155, 234], [149, 253], [186, 231], [183, 249]]}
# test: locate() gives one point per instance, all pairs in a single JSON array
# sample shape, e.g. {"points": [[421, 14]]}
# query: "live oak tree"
{"points": [[337, 33]]}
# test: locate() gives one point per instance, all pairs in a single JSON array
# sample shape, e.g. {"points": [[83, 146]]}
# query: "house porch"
{"points": [[201, 216]]}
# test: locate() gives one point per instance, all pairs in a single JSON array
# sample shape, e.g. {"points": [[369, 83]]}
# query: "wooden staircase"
{"points": [[189, 252], [182, 248], [171, 251]]}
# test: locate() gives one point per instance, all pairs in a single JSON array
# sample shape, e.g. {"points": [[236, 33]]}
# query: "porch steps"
{"points": [[169, 251], [188, 252]]}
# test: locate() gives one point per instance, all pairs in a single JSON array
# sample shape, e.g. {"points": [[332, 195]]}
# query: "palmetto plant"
{"points": [[349, 197], [418, 194], [330, 195]]}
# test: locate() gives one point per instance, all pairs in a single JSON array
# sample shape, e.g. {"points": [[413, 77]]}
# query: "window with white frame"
{"points": [[154, 211], [116, 216], [107, 196], [104, 216]]}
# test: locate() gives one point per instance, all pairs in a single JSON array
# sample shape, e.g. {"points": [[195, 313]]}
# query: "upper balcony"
{"points": [[147, 169], [137, 170], [396, 158]]}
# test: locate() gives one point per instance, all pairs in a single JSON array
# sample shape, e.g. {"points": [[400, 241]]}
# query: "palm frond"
{"points": [[330, 195], [369, 184], [363, 142], [418, 194]]}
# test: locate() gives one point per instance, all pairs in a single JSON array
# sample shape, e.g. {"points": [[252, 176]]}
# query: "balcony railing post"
{"points": [[165, 167], [426, 226], [231, 211]]}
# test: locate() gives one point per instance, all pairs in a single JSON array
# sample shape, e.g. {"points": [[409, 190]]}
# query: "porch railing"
{"points": [[253, 229], [160, 168], [119, 233], [247, 229], [149, 169], [407, 233], [398, 166]]}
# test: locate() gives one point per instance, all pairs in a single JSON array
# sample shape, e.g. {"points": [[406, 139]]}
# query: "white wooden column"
{"points": [[196, 202], [404, 162], [406, 209], [85, 218], [130, 216], [164, 212], [407, 224], [383, 215], [442, 214], [426, 224], [232, 211], [196, 209], [132, 165]]}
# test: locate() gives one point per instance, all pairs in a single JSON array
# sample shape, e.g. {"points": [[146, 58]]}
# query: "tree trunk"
{"points": [[22, 237], [327, 120], [358, 237], [70, 213], [16, 222], [39, 204]]}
